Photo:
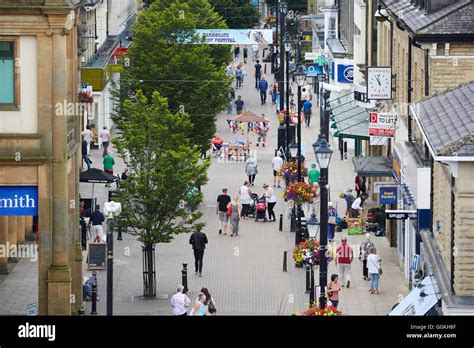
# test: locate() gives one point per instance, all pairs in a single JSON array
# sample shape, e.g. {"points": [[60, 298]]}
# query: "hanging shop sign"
{"points": [[345, 73], [236, 36], [313, 70], [18, 200], [400, 214], [388, 195], [379, 83]]}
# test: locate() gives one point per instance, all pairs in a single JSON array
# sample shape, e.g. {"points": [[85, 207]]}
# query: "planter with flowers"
{"points": [[307, 252], [85, 97], [315, 311], [300, 193]]}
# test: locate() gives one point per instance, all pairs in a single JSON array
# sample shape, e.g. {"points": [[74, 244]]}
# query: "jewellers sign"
{"points": [[18, 201], [400, 214]]}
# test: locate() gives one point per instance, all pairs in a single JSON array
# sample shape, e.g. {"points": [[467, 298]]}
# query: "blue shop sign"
{"points": [[18, 200], [313, 70], [388, 195], [345, 73]]}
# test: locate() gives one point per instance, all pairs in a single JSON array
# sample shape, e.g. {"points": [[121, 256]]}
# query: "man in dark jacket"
{"points": [[198, 240]]}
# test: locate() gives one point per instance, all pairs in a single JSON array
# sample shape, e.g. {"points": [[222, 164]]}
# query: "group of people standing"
{"points": [[203, 305]]}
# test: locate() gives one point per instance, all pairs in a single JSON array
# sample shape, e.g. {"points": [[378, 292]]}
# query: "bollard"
{"points": [[285, 264], [184, 274], [94, 298], [308, 286], [280, 228]]}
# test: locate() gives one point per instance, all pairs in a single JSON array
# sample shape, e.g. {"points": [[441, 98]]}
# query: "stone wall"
{"points": [[442, 211], [464, 231]]}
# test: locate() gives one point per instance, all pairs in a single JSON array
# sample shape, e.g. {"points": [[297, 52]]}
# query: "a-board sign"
{"points": [[96, 255]]}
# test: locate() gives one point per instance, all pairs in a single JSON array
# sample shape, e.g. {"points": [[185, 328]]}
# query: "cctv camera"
{"points": [[381, 15]]}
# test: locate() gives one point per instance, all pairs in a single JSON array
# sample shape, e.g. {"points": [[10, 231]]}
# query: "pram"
{"points": [[261, 209], [252, 206]]}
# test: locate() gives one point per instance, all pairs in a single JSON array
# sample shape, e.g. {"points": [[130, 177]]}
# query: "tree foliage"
{"points": [[190, 76], [163, 169], [238, 14]]}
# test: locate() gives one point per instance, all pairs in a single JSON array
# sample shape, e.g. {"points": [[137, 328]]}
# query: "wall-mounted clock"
{"points": [[379, 83]]}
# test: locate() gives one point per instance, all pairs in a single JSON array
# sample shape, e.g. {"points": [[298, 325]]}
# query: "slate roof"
{"points": [[448, 121], [457, 18]]}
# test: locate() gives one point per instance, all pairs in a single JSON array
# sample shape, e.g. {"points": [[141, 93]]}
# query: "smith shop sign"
{"points": [[400, 214], [18, 201]]}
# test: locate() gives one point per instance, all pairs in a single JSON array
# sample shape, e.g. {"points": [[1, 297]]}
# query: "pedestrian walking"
{"points": [[334, 287], [277, 163], [245, 54], [245, 199], [313, 175], [360, 186], [239, 76], [254, 52], [237, 52], [374, 264], [251, 169], [231, 97], [364, 252], [230, 71], [262, 131], [200, 308], [210, 304], [263, 88], [344, 257], [180, 302], [223, 201], [349, 198], [105, 137], [271, 201], [87, 136], [274, 92], [307, 111], [258, 73], [198, 240], [109, 164], [85, 156], [357, 205], [234, 211], [332, 214], [239, 105], [97, 230]]}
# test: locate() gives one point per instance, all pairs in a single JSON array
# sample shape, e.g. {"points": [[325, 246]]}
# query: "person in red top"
{"points": [[217, 142], [344, 258]]}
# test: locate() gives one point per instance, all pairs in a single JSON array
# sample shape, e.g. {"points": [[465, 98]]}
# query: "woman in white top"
{"points": [[245, 199], [374, 265], [271, 201]]}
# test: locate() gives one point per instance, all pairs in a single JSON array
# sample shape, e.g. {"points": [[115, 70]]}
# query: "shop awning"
{"points": [[373, 166], [420, 300], [349, 120]]}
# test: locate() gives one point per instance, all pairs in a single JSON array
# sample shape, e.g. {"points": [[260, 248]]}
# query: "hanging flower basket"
{"points": [[289, 171], [307, 252], [85, 97], [299, 193]]}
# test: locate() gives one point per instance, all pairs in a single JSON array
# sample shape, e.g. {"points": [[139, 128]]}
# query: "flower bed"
{"points": [[328, 311]]}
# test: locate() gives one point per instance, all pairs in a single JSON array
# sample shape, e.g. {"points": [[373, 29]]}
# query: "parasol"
{"points": [[95, 175]]}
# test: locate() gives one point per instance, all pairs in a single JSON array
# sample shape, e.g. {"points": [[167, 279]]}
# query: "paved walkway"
{"points": [[244, 274]]}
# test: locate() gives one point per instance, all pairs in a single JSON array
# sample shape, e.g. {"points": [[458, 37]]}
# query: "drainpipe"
{"points": [[431, 192], [453, 217], [410, 88], [427, 73]]}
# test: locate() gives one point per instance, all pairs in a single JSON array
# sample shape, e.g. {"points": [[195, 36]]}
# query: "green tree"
{"points": [[163, 169], [239, 14], [191, 76]]}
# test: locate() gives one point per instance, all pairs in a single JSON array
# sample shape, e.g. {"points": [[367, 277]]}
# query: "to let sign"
{"points": [[18, 201], [382, 124]]}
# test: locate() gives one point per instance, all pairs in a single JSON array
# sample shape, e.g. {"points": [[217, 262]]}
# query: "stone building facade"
{"points": [[42, 149]]}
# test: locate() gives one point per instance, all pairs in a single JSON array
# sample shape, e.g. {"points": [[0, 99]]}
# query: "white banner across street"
{"points": [[236, 36]]}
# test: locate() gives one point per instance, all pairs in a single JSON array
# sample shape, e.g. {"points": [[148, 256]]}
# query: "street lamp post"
{"points": [[287, 42], [313, 226], [323, 156], [281, 68], [111, 209]]}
